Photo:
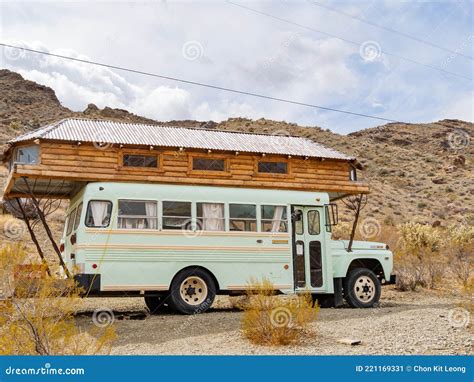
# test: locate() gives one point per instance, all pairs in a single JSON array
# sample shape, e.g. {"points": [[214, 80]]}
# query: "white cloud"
{"points": [[462, 108], [163, 103]]}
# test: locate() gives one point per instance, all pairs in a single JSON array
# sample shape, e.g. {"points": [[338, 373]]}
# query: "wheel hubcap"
{"points": [[193, 290], [364, 289]]}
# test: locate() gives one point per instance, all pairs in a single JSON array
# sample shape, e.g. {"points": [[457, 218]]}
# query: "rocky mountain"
{"points": [[417, 172]]}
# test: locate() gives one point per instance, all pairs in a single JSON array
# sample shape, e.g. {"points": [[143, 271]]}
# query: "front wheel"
{"points": [[192, 291], [362, 288]]}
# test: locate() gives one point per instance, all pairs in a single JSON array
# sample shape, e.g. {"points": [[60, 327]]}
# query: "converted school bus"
{"points": [[180, 214]]}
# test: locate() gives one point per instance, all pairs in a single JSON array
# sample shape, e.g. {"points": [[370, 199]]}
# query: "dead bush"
{"points": [[276, 320], [37, 313], [417, 257], [460, 250]]}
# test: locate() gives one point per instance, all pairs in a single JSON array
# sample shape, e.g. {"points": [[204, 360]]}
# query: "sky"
{"points": [[296, 50]]}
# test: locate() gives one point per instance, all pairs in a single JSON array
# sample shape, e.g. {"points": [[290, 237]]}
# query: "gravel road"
{"points": [[405, 323]]}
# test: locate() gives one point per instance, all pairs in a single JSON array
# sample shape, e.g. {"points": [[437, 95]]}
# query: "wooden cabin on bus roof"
{"points": [[58, 159]]}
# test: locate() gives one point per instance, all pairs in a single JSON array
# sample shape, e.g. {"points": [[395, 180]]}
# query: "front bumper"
{"points": [[391, 281]]}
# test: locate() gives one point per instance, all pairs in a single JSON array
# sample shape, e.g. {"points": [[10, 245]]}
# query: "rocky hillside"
{"points": [[421, 172]]}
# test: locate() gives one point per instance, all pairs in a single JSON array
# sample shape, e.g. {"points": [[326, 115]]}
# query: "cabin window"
{"points": [[274, 219], [137, 214], [70, 222], [353, 174], [98, 214], [133, 160], [210, 217], [243, 217], [77, 220], [273, 167], [177, 215], [26, 155], [314, 227], [208, 164]]}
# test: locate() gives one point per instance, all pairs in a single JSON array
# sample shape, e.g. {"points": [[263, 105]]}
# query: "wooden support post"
{"points": [[46, 227], [33, 237], [354, 225]]}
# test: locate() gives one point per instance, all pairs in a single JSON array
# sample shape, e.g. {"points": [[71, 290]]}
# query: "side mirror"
{"points": [[297, 216], [332, 216]]}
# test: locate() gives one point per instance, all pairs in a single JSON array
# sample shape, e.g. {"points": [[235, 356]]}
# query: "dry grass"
{"points": [[37, 313], [273, 320]]}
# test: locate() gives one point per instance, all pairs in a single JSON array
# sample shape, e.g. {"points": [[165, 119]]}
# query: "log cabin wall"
{"points": [[88, 162]]}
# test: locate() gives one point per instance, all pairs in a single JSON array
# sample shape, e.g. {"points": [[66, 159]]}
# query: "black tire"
{"points": [[366, 293], [157, 304], [192, 291]]}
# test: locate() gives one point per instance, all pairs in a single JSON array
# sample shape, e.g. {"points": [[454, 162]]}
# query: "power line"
{"points": [[411, 37], [347, 40], [216, 87]]}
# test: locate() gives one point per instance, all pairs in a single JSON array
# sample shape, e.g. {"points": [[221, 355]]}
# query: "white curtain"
{"points": [[277, 215], [213, 217], [99, 212], [151, 213]]}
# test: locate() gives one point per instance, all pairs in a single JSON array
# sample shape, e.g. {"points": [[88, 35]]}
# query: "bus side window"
{"points": [[274, 219], [70, 222], [177, 215], [98, 213], [243, 217], [77, 220]]}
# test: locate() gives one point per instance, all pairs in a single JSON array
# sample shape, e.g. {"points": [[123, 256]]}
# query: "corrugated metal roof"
{"points": [[111, 132]]}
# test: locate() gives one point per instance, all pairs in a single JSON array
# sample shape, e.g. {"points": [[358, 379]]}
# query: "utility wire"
{"points": [[347, 40], [216, 87], [411, 37]]}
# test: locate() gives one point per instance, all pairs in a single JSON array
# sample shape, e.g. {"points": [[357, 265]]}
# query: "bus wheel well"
{"points": [[371, 264], [194, 267]]}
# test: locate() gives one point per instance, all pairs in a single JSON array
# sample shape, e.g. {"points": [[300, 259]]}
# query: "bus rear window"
{"points": [[98, 213]]}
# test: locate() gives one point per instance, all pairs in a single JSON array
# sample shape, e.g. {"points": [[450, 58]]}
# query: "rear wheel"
{"points": [[192, 291], [362, 288]]}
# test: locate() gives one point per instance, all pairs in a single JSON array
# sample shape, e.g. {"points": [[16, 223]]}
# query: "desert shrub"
{"points": [[37, 314], [460, 250], [418, 258], [276, 320], [341, 231]]}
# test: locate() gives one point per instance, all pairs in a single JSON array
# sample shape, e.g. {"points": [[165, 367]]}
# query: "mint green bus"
{"points": [[181, 245]]}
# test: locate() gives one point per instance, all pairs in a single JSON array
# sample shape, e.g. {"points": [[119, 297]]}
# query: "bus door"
{"points": [[308, 244]]}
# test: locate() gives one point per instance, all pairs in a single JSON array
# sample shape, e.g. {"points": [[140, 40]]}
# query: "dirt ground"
{"points": [[404, 323]]}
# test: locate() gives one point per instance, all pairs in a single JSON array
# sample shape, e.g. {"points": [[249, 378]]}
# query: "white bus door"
{"points": [[308, 259]]}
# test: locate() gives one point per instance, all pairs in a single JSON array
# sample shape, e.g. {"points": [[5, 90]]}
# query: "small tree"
{"points": [[37, 313]]}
